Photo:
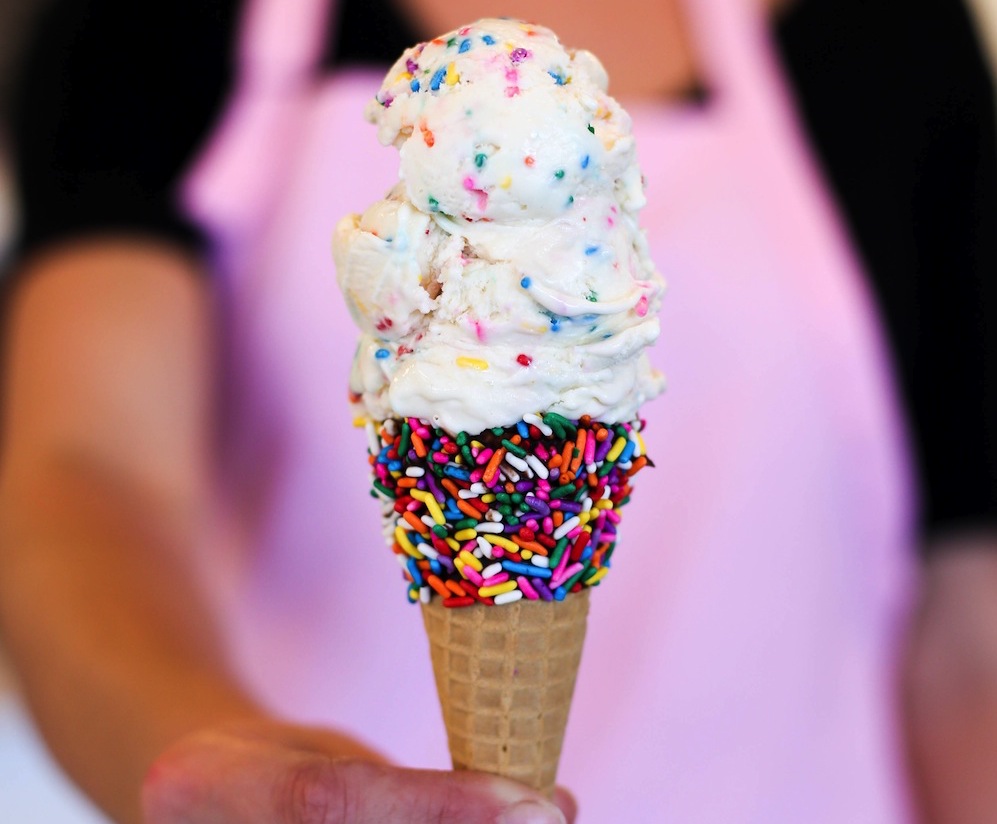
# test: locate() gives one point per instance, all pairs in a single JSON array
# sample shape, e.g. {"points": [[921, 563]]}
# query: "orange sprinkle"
{"points": [[456, 588], [566, 454], [438, 585], [413, 521], [580, 454], [450, 487], [528, 160], [558, 516], [532, 546], [467, 509], [555, 462], [602, 434], [493, 464], [407, 483], [638, 464], [419, 445]]}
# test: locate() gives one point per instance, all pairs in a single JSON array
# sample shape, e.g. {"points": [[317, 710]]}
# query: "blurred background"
{"points": [[31, 786]]}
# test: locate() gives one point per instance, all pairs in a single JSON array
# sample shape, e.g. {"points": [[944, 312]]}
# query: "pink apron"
{"points": [[741, 656]]}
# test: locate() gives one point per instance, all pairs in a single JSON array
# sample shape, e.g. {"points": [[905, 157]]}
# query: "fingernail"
{"points": [[531, 812]]}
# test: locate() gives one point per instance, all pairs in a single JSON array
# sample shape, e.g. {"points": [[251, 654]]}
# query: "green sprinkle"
{"points": [[515, 449], [404, 440], [434, 204], [563, 491], [479, 160], [440, 531], [465, 523], [559, 174], [558, 553], [591, 128], [383, 489]]}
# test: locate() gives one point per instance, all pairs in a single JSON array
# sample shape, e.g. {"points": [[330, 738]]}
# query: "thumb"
{"points": [[323, 791], [220, 778]]}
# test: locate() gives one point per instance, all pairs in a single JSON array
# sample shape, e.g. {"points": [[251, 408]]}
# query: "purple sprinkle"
{"points": [[438, 493], [569, 506], [542, 589], [603, 449], [519, 54], [537, 505], [524, 486]]}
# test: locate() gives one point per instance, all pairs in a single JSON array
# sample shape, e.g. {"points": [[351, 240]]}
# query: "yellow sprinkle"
{"points": [[640, 440], [604, 504], [617, 449], [506, 182], [598, 576], [497, 589], [450, 542], [498, 540], [526, 554], [431, 505], [360, 421], [470, 560], [406, 544], [452, 76], [402, 77], [487, 498], [473, 363], [465, 535]]}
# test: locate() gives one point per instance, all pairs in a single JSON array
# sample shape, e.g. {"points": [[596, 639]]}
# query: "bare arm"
{"points": [[107, 403], [950, 684]]}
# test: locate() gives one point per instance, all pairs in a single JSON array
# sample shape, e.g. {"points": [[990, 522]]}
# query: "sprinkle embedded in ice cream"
{"points": [[505, 274]]}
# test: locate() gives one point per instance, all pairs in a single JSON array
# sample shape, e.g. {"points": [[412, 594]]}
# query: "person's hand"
{"points": [[270, 773], [950, 681]]}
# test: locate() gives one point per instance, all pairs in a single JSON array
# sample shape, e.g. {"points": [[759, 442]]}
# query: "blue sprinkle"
{"points": [[457, 472], [591, 250], [559, 79], [522, 429], [526, 569], [555, 325], [394, 466], [464, 46], [587, 553], [438, 78], [559, 594], [488, 40], [414, 85], [585, 162], [435, 566], [413, 570], [381, 354], [627, 452], [525, 282]]}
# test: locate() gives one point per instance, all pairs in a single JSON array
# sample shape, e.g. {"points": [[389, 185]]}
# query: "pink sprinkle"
{"points": [[511, 91], [548, 523], [532, 524], [500, 578], [559, 579], [479, 331], [641, 307], [440, 457], [471, 574], [484, 456], [527, 588]]}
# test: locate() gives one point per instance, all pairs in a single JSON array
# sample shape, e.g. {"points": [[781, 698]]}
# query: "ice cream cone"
{"points": [[505, 678]]}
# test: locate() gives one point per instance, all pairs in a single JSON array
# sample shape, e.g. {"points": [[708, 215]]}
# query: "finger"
{"points": [[566, 803], [214, 778], [330, 792]]}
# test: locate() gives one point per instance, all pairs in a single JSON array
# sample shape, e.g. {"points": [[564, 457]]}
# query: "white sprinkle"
{"points": [[538, 466], [566, 527], [605, 492], [485, 547], [592, 467], [508, 473], [428, 521], [373, 441], [429, 551], [479, 488], [517, 462], [466, 493], [415, 472], [587, 504], [508, 597], [489, 571], [491, 515], [490, 526], [540, 561], [425, 594], [537, 421], [636, 442], [402, 561]]}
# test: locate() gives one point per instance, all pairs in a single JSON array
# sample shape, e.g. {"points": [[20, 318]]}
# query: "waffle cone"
{"points": [[505, 676]]}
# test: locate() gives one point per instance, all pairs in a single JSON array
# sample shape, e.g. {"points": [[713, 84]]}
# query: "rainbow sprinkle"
{"points": [[527, 511]]}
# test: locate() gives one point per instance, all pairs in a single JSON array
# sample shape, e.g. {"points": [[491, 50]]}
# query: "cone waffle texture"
{"points": [[505, 677]]}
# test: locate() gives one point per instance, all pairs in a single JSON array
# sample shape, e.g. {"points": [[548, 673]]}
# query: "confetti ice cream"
{"points": [[506, 300]]}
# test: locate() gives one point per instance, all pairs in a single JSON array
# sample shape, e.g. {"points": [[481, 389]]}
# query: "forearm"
{"points": [[111, 637], [950, 684]]}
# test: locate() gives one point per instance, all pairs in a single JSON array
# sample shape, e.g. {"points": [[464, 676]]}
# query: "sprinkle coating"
{"points": [[471, 522]]}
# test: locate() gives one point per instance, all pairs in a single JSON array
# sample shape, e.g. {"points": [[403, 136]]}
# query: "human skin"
{"points": [[107, 404]]}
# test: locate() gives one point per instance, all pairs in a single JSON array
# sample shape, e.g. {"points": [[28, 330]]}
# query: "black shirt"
{"points": [[115, 97]]}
